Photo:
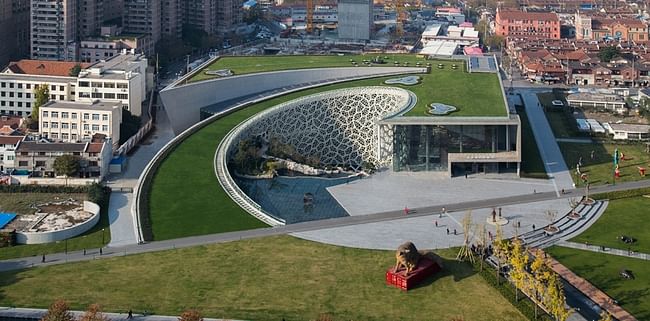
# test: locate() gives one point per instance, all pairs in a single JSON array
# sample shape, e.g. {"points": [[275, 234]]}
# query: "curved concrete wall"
{"points": [[53, 236], [183, 102]]}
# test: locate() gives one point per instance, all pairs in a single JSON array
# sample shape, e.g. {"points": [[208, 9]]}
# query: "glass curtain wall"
{"points": [[425, 147]]}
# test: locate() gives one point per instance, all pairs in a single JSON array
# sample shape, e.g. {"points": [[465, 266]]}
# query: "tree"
{"points": [[605, 316], [518, 262], [191, 315], [58, 311], [93, 313], [74, 71], [41, 97], [607, 53], [66, 165]]}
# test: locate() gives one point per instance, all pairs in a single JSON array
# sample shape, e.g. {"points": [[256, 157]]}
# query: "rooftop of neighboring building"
{"points": [[10, 140], [119, 67], [632, 128], [43, 67], [37, 146], [523, 15], [95, 105], [11, 120]]}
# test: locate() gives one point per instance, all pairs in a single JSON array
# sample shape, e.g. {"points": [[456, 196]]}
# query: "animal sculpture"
{"points": [[407, 256]]}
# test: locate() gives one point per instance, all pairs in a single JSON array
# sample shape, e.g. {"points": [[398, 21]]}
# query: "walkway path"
{"points": [[60, 258], [122, 222], [575, 140], [605, 250], [548, 147], [596, 295], [8, 313]]}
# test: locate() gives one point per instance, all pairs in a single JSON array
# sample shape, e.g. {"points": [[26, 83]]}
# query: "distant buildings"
{"points": [[521, 24], [14, 23], [54, 30], [355, 19], [597, 27]]}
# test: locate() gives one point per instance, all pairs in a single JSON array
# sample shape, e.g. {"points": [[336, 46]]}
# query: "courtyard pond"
{"points": [[295, 198]]}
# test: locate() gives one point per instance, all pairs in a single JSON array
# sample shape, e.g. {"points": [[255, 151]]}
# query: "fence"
{"points": [[143, 131]]}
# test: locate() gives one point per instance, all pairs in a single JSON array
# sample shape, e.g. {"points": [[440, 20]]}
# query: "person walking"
{"points": [[455, 232], [447, 231], [100, 251], [130, 316], [436, 223], [43, 259], [406, 210]]}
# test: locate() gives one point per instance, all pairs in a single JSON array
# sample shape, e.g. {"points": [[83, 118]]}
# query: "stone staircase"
{"points": [[569, 228]]}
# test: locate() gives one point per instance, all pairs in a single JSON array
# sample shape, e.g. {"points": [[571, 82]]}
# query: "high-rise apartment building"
{"points": [[172, 18], [142, 17], [91, 16], [201, 14], [113, 9], [355, 19], [229, 15], [5, 36], [14, 26], [54, 30]]}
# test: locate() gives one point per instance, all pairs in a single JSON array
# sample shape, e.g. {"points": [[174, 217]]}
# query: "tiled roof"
{"points": [[43, 67], [10, 140], [94, 148], [50, 147], [521, 15], [11, 121]]}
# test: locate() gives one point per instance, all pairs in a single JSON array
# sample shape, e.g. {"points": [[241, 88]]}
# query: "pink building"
{"points": [[520, 24]]}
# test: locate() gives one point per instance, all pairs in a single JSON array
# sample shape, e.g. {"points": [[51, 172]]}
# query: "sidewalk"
{"points": [[8, 313], [605, 250], [599, 297]]}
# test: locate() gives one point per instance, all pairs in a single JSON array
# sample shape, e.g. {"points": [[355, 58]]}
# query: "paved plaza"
{"points": [[422, 230], [390, 191]]}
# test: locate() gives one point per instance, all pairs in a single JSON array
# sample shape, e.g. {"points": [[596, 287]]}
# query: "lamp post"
{"points": [[103, 236]]}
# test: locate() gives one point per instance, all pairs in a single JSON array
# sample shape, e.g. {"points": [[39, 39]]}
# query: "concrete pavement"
{"points": [[60, 258], [549, 150], [10, 313]]}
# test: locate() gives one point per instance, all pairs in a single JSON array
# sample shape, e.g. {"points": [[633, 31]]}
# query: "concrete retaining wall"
{"points": [[183, 102], [53, 236]]}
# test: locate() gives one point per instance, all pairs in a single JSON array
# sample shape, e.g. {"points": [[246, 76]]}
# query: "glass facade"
{"points": [[426, 147]]}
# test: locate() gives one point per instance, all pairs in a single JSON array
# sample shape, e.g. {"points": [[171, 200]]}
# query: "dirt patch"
{"points": [[612, 118]]}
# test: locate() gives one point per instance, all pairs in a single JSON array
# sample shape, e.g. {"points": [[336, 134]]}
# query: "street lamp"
{"points": [[103, 236]]}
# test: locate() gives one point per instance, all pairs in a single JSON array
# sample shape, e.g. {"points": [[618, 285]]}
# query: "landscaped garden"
{"points": [[623, 217], [604, 272], [21, 203], [600, 169], [262, 279]]}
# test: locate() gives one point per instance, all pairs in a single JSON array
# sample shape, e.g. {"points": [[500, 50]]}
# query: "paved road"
{"points": [[60, 258], [548, 147], [9, 313]]}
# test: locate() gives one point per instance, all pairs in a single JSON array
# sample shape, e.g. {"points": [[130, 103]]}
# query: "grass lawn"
{"points": [[475, 94], [601, 169], [19, 202], [627, 216], [602, 270], [264, 279], [531, 163]]}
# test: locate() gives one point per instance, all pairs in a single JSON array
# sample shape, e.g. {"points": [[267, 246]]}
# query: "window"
{"points": [[122, 85], [64, 125], [61, 88], [104, 128], [22, 163], [95, 116], [65, 136], [2, 103], [74, 137], [104, 117], [3, 84], [84, 84], [74, 116], [95, 128], [109, 96], [45, 124], [40, 163], [20, 86], [28, 105], [73, 126], [53, 97], [86, 116], [55, 125], [109, 85], [97, 84], [11, 94], [53, 87], [28, 95], [123, 96], [19, 95], [28, 86], [54, 136], [86, 127], [3, 94], [11, 85], [55, 114], [64, 114], [97, 95], [61, 97], [20, 104], [11, 157]]}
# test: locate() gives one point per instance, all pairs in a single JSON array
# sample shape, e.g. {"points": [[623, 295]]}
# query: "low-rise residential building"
{"points": [[122, 78], [522, 24], [37, 157], [609, 102], [80, 121], [107, 47], [8, 145], [629, 131]]}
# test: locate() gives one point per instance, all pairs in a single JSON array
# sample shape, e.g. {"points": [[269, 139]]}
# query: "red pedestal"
{"points": [[426, 267]]}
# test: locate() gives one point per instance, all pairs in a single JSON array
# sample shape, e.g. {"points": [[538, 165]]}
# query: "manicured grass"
{"points": [[601, 170], [531, 161], [475, 94], [92, 239], [602, 270], [251, 64], [263, 279], [626, 216], [186, 198]]}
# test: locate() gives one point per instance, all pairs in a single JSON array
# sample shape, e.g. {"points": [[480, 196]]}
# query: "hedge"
{"points": [[622, 194]]}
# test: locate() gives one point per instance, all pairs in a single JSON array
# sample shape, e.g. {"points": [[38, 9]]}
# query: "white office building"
{"points": [[78, 121]]}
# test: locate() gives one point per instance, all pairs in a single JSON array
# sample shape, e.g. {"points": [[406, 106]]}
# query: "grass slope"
{"points": [[264, 279], [601, 169], [602, 270], [627, 216], [19, 202]]}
